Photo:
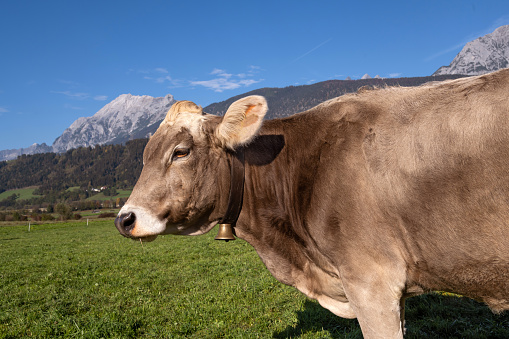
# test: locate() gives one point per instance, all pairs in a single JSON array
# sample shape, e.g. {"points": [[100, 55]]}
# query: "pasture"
{"points": [[74, 280], [24, 193]]}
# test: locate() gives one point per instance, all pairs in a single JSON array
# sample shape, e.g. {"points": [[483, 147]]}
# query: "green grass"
{"points": [[24, 193], [70, 280], [101, 196], [73, 188]]}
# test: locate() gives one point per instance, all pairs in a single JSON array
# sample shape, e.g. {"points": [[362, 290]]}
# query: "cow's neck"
{"points": [[281, 165]]}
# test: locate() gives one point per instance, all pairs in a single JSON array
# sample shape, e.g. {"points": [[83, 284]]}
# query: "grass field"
{"points": [[24, 193], [73, 188], [70, 280]]}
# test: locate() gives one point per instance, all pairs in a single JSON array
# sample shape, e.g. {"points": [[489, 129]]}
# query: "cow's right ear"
{"points": [[242, 121]]}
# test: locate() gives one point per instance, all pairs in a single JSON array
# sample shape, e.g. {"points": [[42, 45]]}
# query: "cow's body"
{"points": [[365, 199]]}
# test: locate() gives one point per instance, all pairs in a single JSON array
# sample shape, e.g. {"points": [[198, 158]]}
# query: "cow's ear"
{"points": [[242, 121]]}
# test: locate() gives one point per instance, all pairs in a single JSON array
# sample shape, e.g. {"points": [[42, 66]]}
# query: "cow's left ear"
{"points": [[242, 121]]}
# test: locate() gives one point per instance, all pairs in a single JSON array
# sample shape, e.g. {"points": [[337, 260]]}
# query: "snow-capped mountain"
{"points": [[125, 118], [483, 55]]}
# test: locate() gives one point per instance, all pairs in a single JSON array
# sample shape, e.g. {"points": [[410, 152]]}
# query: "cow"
{"points": [[360, 202]]}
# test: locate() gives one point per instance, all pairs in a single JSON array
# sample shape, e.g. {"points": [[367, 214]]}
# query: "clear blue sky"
{"points": [[60, 60]]}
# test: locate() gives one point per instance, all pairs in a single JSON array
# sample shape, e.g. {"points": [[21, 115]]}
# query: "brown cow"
{"points": [[360, 202]]}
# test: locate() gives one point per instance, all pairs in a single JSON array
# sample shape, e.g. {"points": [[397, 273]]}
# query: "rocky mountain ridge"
{"points": [[9, 154], [482, 55], [125, 118]]}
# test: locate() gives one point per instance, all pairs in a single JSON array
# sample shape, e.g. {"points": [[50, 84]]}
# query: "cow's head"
{"points": [[185, 176]]}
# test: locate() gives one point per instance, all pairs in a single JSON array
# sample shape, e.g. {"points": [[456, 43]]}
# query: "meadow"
{"points": [[72, 280], [24, 193]]}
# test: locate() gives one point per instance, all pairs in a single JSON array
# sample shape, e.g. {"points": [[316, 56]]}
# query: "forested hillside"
{"points": [[107, 165]]}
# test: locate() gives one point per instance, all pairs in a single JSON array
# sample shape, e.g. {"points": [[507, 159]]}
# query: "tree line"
{"points": [[65, 182], [63, 211], [116, 166]]}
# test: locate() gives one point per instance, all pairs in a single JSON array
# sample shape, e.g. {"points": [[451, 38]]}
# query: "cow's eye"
{"points": [[180, 153]]}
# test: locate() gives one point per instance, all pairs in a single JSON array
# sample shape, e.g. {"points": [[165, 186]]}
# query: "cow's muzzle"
{"points": [[125, 223]]}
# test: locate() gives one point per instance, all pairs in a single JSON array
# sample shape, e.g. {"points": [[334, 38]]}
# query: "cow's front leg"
{"points": [[377, 301], [379, 317]]}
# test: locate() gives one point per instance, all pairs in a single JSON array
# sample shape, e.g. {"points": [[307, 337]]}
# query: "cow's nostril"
{"points": [[129, 220], [125, 223]]}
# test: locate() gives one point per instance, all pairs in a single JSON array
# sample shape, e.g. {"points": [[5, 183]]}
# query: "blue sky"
{"points": [[60, 60]]}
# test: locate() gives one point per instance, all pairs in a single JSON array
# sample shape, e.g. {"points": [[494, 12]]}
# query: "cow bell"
{"points": [[225, 233]]}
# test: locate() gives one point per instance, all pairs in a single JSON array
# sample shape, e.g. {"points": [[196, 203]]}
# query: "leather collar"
{"points": [[236, 187]]}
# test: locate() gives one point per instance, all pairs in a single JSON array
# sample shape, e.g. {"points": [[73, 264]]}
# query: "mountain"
{"points": [[125, 118], [34, 149], [483, 55]]}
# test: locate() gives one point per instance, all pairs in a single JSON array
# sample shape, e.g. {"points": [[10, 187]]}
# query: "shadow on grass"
{"points": [[427, 316], [315, 319], [439, 316]]}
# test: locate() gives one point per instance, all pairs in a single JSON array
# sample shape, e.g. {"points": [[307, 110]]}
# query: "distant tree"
{"points": [[109, 192], [47, 217], [16, 216], [107, 215], [12, 197], [64, 210]]}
